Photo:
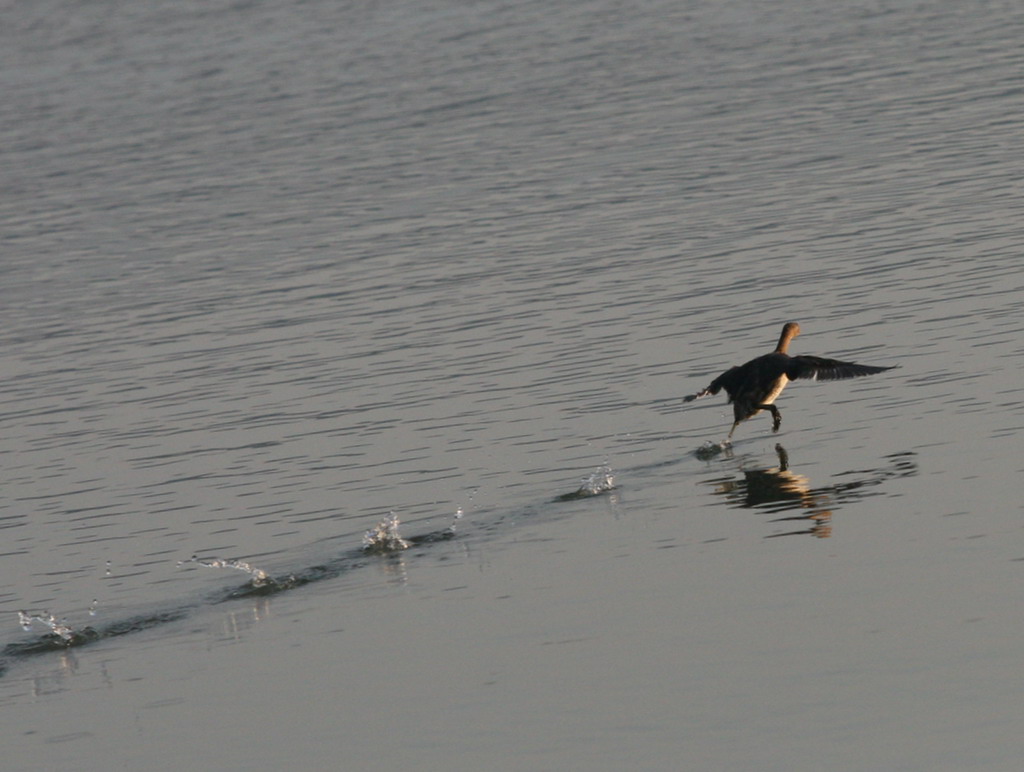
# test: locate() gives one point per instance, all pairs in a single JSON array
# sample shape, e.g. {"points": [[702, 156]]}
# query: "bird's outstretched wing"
{"points": [[821, 369]]}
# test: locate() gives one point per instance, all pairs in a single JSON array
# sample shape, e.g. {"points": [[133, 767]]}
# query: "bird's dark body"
{"points": [[756, 383], [754, 386], [760, 381]]}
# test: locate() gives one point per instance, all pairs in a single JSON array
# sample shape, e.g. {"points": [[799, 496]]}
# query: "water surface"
{"points": [[271, 272]]}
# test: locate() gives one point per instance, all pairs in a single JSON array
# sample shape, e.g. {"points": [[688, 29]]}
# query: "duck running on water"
{"points": [[755, 386]]}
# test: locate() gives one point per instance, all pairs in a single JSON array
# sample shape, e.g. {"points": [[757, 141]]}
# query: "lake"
{"points": [[276, 273]]}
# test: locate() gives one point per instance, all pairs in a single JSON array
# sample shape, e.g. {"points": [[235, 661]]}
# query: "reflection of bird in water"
{"points": [[785, 489], [779, 489], [755, 386]]}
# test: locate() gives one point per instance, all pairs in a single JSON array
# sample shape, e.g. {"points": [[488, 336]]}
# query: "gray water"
{"points": [[271, 271]]}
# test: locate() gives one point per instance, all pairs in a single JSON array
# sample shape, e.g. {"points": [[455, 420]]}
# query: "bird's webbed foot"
{"points": [[776, 416]]}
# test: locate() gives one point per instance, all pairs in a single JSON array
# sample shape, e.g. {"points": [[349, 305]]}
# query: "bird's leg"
{"points": [[728, 439], [776, 416]]}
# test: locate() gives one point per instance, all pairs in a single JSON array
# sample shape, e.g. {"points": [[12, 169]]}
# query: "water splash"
{"points": [[58, 627], [260, 577], [710, 449], [459, 514], [601, 480], [384, 536]]}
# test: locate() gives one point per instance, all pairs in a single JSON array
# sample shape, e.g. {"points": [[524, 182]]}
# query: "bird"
{"points": [[756, 385]]}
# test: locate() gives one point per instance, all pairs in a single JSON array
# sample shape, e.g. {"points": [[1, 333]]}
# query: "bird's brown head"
{"points": [[789, 331]]}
